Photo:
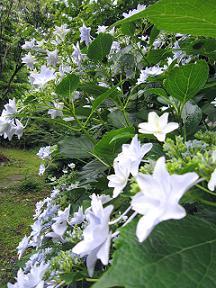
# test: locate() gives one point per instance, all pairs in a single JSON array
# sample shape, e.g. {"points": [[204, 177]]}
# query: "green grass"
{"points": [[22, 163], [16, 207]]}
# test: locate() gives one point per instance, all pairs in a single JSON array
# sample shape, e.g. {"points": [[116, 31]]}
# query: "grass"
{"points": [[16, 207], [22, 163]]}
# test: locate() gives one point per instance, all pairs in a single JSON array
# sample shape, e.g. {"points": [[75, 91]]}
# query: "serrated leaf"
{"points": [[184, 82], [76, 147], [177, 254], [196, 17], [100, 47], [68, 85]]}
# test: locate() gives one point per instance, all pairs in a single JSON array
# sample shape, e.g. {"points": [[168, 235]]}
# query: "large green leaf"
{"points": [[184, 82], [195, 17], [76, 147], [107, 148], [68, 85], [100, 47], [177, 254]]}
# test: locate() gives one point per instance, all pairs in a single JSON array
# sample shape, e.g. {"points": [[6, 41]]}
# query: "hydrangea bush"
{"points": [[134, 205]]}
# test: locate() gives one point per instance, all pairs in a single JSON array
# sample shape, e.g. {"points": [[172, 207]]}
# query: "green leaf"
{"points": [[210, 111], [91, 170], [110, 93], [117, 119], [184, 82], [71, 277], [128, 29], [157, 91], [106, 149], [68, 85], [177, 254], [154, 56], [76, 147], [191, 116], [206, 47], [153, 35], [100, 47], [92, 89], [196, 17]]}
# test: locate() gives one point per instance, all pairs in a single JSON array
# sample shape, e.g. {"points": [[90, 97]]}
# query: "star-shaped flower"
{"points": [[158, 199], [158, 126], [96, 236], [29, 60], [43, 77], [58, 111]]}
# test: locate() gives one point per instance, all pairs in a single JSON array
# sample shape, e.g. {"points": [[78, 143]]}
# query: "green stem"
{"points": [[81, 126], [205, 190]]}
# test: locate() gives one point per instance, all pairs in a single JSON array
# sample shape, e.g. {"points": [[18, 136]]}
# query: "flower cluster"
{"points": [[9, 125]]}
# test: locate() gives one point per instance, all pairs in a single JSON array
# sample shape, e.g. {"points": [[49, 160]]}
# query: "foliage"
{"points": [[133, 105]]}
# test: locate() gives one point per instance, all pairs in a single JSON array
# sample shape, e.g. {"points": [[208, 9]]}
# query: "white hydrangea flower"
{"points": [[132, 154], [96, 236], [23, 245], [103, 198], [44, 153], [52, 57], [149, 71], [43, 77], [29, 44], [64, 69], [77, 56], [116, 47], [85, 34], [33, 279], [29, 60], [10, 108], [60, 225], [158, 126], [58, 111], [41, 170], [159, 197], [71, 165], [35, 235], [9, 126], [212, 181], [139, 8], [119, 180], [78, 217], [101, 29], [127, 162], [61, 32]]}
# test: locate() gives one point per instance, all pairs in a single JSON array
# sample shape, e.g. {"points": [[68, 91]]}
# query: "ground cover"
{"points": [[16, 206]]}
